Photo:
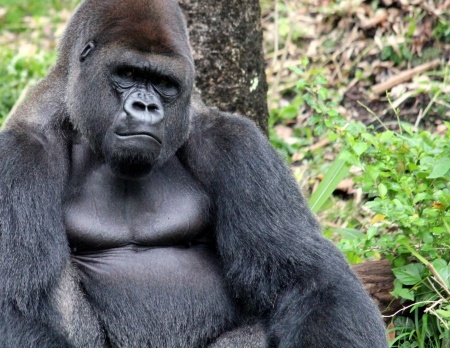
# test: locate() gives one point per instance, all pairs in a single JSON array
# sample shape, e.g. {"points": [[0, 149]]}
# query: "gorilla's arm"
{"points": [[275, 259], [33, 246]]}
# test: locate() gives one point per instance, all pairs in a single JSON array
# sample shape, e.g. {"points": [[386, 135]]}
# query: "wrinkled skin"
{"points": [[134, 216]]}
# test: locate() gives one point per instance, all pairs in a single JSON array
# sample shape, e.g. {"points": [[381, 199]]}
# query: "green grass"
{"points": [[17, 72], [28, 31], [17, 9]]}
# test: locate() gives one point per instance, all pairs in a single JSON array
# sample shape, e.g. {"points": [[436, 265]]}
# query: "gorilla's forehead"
{"points": [[146, 25], [143, 36], [119, 54]]}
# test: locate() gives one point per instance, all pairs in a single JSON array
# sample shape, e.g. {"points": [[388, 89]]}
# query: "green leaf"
{"points": [[382, 190], [320, 79], [443, 268], [360, 148], [440, 168], [371, 232], [399, 291], [353, 258], [444, 314], [301, 84], [289, 112], [297, 70], [410, 274], [333, 177], [386, 136], [420, 197], [349, 233], [323, 93], [403, 293]]}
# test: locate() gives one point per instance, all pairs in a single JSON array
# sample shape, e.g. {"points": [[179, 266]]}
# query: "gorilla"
{"points": [[132, 215]]}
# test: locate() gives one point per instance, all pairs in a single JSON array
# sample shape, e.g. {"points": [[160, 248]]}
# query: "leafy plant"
{"points": [[18, 71], [405, 176]]}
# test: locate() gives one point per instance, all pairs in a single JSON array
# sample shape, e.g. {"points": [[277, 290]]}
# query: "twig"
{"points": [[373, 114], [440, 319], [418, 119], [320, 144], [405, 308], [374, 21]]}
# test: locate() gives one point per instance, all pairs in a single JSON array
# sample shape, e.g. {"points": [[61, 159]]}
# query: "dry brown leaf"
{"points": [[2, 13], [346, 185], [391, 331]]}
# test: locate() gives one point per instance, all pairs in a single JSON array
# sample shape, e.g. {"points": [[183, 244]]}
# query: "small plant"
{"points": [[17, 71], [406, 177]]}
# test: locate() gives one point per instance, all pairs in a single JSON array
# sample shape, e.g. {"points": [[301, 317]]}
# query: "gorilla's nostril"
{"points": [[152, 107], [139, 106]]}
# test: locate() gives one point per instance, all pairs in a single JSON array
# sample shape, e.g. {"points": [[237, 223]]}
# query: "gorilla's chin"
{"points": [[131, 157], [130, 169]]}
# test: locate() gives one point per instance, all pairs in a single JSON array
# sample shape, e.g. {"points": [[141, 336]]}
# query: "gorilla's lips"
{"points": [[138, 136]]}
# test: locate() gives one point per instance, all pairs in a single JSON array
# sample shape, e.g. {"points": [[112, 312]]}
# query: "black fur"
{"points": [[266, 277], [275, 259], [33, 246]]}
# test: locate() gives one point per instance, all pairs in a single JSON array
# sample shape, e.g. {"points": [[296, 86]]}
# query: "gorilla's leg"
{"points": [[17, 330], [250, 336], [79, 323]]}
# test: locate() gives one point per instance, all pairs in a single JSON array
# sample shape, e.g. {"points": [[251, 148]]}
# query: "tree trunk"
{"points": [[226, 40]]}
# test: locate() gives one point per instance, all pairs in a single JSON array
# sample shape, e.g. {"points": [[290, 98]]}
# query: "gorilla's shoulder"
{"points": [[220, 142], [42, 110], [224, 129], [25, 137], [24, 146]]}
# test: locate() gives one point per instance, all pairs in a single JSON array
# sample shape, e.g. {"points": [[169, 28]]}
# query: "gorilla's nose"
{"points": [[145, 108], [141, 106]]}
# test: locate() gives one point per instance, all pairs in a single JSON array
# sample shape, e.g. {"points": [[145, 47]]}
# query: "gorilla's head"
{"points": [[130, 75]]}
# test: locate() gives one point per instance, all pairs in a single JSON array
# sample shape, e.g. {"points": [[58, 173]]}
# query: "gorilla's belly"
{"points": [[173, 296]]}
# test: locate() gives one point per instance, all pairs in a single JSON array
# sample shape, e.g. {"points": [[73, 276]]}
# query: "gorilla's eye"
{"points": [[125, 76], [127, 72], [164, 82], [165, 85]]}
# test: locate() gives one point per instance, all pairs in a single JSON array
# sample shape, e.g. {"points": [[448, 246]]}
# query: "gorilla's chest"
{"points": [[145, 254], [167, 208]]}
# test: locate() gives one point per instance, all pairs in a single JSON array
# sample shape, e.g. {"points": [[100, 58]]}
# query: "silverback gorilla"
{"points": [[133, 216]]}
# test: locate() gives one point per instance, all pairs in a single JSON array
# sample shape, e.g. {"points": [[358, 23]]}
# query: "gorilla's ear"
{"points": [[86, 50]]}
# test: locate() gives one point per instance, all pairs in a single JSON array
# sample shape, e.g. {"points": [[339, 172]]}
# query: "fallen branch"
{"points": [[404, 76], [378, 280]]}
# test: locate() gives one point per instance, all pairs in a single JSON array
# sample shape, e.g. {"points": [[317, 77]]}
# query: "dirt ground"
{"points": [[361, 46]]}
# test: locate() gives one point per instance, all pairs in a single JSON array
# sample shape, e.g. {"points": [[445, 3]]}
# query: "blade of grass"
{"points": [[338, 170]]}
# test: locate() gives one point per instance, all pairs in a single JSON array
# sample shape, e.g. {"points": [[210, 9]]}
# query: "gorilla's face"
{"points": [[125, 102], [130, 74], [133, 141]]}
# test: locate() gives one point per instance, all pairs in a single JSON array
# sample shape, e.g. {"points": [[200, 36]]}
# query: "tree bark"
{"points": [[226, 40]]}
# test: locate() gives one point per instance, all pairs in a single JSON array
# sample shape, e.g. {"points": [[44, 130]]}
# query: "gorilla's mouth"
{"points": [[138, 136]]}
